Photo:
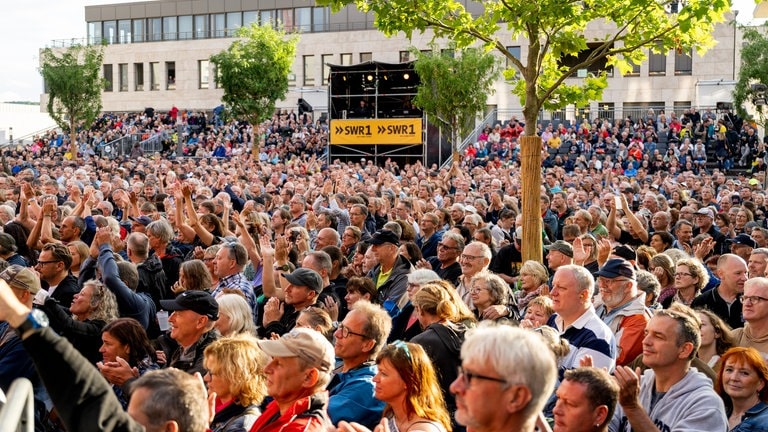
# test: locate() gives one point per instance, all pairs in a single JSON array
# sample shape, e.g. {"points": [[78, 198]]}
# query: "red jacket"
{"points": [[305, 415]]}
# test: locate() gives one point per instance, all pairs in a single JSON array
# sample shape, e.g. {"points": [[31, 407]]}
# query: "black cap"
{"points": [[305, 277], [384, 236], [625, 252], [197, 301], [743, 239], [617, 267]]}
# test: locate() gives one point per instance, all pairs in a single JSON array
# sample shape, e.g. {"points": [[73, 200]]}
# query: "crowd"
{"points": [[310, 295]]}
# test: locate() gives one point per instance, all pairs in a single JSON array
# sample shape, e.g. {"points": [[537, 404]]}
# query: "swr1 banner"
{"points": [[376, 131]]}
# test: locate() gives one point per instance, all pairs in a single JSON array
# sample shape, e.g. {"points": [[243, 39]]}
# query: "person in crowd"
{"points": [[661, 241], [160, 234], [391, 274], [53, 267], [647, 283], [406, 324], [194, 275], [715, 337], [125, 348], [757, 262], [489, 290], [318, 320], [742, 382], [532, 284], [360, 288], [586, 400], [663, 269], [754, 334], [358, 340], [235, 373], [235, 315], [303, 290], [538, 313], [690, 278], [231, 259], [671, 341], [724, 299], [79, 252], [192, 320], [151, 275], [446, 262]]}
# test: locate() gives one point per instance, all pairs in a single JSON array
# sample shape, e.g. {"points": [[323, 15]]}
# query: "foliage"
{"points": [[754, 70], [454, 89], [73, 82], [554, 29], [254, 70]]}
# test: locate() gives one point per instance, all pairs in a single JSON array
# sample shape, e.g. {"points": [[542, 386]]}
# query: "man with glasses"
{"points": [[446, 263], [506, 376], [53, 266], [359, 339], [230, 261], [298, 209], [755, 311], [622, 307], [475, 258]]}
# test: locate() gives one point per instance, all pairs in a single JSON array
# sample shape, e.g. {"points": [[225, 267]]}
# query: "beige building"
{"points": [[158, 51]]}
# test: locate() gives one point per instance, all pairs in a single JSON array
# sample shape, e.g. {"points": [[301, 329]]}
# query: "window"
{"points": [[346, 59], [234, 22], [250, 17], [597, 67], [108, 78], [635, 70], [304, 19], [447, 52], [201, 26], [327, 59], [309, 70], [366, 57], [268, 17], [94, 32], [185, 27], [217, 75], [124, 31], [170, 29], [170, 72], [320, 19], [657, 63], [203, 73], [285, 17], [154, 76], [218, 25], [110, 31], [138, 74], [515, 52], [139, 32], [122, 77], [680, 107], [155, 30], [683, 63], [405, 56]]}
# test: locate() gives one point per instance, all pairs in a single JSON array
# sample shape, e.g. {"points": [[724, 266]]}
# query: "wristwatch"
{"points": [[36, 319], [284, 267]]}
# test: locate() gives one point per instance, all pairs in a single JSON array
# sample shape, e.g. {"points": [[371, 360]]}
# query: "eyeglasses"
{"points": [[467, 377], [403, 346], [445, 246], [477, 290], [345, 332], [753, 299], [48, 262], [681, 274], [607, 281], [209, 259], [470, 257]]}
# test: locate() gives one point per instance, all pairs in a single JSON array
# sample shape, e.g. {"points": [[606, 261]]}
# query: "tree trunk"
{"points": [[72, 140], [530, 172]]}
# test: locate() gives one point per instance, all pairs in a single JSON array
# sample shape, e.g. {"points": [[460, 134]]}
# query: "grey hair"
{"points": [[584, 279], [422, 276]]}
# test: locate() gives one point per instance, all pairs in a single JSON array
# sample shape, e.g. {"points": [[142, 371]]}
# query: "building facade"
{"points": [[158, 54]]}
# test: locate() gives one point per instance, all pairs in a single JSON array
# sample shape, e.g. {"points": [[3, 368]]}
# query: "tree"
{"points": [[557, 47], [454, 89], [753, 75], [73, 82], [254, 70]]}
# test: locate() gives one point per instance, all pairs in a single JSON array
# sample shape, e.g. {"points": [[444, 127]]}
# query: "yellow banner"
{"points": [[376, 131]]}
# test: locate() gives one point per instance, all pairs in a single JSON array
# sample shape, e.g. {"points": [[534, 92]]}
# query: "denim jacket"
{"points": [[754, 420]]}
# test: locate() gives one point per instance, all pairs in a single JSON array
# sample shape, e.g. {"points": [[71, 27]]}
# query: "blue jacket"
{"points": [[351, 397], [754, 420]]}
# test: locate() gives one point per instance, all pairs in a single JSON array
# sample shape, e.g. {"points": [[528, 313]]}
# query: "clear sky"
{"points": [[29, 25]]}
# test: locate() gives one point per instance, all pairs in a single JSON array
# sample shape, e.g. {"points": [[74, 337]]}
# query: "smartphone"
{"points": [[617, 200]]}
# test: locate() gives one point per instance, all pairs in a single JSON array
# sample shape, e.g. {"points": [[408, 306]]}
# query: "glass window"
{"points": [[405, 56], [122, 76], [285, 17], [635, 70], [447, 52], [234, 22], [217, 75], [515, 52], [155, 30], [683, 63], [108, 78], [346, 59], [309, 70], [110, 31], [138, 73], [124, 31], [139, 33], [366, 57], [94, 32], [203, 73], [327, 60], [218, 25], [201, 26], [657, 63], [268, 17], [185, 27], [154, 76], [304, 19], [320, 19], [170, 72], [170, 29], [250, 17]]}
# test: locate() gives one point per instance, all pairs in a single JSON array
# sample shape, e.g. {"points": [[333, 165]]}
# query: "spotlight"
{"points": [[370, 77], [344, 77], [406, 76]]}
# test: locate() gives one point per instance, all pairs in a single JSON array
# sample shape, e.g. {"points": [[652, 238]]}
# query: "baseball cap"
{"points": [[22, 278], [305, 277], [144, 220], [754, 182], [384, 236], [306, 344], [8, 243], [197, 301], [561, 246], [706, 211], [625, 252], [617, 267], [743, 239]]}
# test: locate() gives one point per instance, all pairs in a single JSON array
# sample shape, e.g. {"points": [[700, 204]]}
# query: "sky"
{"points": [[31, 25]]}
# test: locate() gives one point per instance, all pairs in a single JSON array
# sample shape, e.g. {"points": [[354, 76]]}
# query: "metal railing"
{"points": [[18, 411], [28, 139], [122, 146]]}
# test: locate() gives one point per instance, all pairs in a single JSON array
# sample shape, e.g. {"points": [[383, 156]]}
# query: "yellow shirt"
{"points": [[382, 279]]}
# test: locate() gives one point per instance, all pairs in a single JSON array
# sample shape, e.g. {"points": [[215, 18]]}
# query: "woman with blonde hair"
{"points": [[79, 252], [235, 368], [235, 316], [716, 337], [662, 267], [532, 283], [690, 278]]}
